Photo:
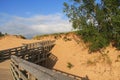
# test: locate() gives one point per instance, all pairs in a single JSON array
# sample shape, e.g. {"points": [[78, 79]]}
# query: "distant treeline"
{"points": [[18, 36], [1, 34]]}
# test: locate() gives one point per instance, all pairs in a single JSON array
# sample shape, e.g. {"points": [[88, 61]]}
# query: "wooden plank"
{"points": [[38, 61], [5, 74], [15, 69], [14, 73], [68, 74], [19, 51], [40, 72]]}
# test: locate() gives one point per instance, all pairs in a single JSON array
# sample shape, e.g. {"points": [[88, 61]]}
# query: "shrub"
{"points": [[105, 57], [69, 65], [36, 37], [95, 40], [89, 62], [98, 23], [66, 39], [21, 36], [1, 34], [118, 59]]}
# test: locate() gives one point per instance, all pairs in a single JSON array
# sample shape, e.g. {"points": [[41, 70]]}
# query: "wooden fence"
{"points": [[24, 60], [5, 54], [26, 49], [38, 44], [68, 74], [24, 70]]}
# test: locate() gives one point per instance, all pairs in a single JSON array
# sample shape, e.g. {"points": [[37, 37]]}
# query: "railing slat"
{"points": [[39, 72], [32, 51], [19, 72], [14, 74]]}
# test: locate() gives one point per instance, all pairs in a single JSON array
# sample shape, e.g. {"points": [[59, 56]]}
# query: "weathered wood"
{"points": [[38, 44], [5, 54], [39, 72], [68, 74], [5, 74], [14, 73], [36, 53], [18, 51], [17, 73]]}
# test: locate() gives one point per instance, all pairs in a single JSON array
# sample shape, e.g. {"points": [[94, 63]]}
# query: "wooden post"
{"points": [[31, 77]]}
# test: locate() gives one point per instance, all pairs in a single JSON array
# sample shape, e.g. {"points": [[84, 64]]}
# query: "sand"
{"points": [[12, 41], [95, 66]]}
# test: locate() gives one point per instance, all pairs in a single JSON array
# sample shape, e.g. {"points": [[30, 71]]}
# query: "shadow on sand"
{"points": [[85, 78], [50, 61]]}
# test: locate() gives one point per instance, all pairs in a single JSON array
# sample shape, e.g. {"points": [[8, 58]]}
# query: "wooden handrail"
{"points": [[22, 69], [33, 71], [5, 54], [38, 44], [68, 74]]}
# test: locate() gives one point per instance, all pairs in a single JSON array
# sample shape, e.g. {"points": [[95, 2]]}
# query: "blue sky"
{"points": [[31, 7], [33, 17]]}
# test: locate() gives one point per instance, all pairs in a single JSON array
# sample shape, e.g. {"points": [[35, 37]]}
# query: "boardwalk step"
{"points": [[5, 74]]}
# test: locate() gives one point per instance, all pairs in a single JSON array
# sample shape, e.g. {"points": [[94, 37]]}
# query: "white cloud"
{"points": [[38, 24]]}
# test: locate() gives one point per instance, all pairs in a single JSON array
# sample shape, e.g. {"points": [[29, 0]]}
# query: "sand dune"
{"points": [[96, 66], [12, 41]]}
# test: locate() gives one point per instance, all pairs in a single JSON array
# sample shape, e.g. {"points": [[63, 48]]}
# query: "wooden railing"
{"points": [[38, 44], [20, 51], [24, 70], [25, 58], [5, 54], [68, 74]]}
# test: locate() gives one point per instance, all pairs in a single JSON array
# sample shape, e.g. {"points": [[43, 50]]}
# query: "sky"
{"points": [[33, 17]]}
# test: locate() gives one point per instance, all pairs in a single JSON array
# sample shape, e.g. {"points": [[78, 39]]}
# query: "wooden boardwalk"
{"points": [[5, 73], [30, 62]]}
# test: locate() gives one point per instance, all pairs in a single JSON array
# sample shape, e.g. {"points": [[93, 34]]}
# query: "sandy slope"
{"points": [[6, 43], [95, 66], [13, 41]]}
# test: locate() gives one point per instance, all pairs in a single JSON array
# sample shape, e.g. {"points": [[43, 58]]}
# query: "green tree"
{"points": [[1, 34], [100, 21]]}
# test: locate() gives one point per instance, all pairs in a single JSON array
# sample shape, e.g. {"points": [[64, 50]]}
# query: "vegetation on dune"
{"points": [[20, 36], [1, 34], [98, 23], [118, 59], [56, 35], [103, 58], [69, 65], [38, 37]]}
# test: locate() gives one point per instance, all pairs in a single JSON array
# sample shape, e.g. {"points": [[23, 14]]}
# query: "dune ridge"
{"points": [[104, 65], [70, 50]]}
